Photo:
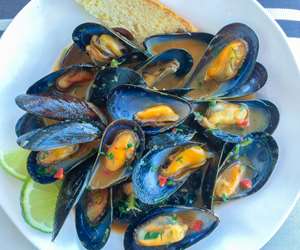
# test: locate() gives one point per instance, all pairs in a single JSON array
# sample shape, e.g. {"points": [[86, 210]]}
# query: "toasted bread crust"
{"points": [[189, 26]]}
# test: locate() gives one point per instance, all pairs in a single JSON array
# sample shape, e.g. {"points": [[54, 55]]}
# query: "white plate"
{"points": [[34, 40]]}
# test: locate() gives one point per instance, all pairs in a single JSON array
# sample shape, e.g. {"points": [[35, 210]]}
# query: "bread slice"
{"points": [[143, 18]]}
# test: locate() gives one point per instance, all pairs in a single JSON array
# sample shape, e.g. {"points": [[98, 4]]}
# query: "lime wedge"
{"points": [[14, 163], [38, 204]]}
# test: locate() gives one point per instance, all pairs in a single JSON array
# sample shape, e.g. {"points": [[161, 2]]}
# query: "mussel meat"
{"points": [[103, 44], [227, 63], [122, 144], [230, 121], [170, 228], [162, 171], [154, 111]]}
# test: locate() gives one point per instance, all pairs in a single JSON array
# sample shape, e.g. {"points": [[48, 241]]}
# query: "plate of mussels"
{"points": [[170, 145]]}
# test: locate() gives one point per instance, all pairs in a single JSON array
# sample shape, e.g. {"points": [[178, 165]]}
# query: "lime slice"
{"points": [[38, 204], [14, 163]]}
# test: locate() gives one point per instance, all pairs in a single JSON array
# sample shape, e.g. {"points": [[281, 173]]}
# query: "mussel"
{"points": [[227, 63], [122, 144], [50, 166], [28, 123], [230, 121], [59, 135], [70, 192], [256, 81], [64, 107], [93, 217], [170, 228], [154, 111], [103, 44], [108, 79], [162, 171], [166, 70], [247, 167], [74, 80]]}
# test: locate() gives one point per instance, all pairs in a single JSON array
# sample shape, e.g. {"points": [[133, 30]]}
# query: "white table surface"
{"points": [[287, 238]]}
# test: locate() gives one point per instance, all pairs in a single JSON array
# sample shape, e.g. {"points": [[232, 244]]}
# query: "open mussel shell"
{"points": [[45, 173], [108, 79], [104, 177], [82, 36], [151, 42], [93, 217], [176, 62], [127, 100], [56, 81], [256, 81], [60, 108], [28, 123], [254, 159], [59, 135], [230, 33], [262, 116], [70, 192], [185, 217], [146, 173]]}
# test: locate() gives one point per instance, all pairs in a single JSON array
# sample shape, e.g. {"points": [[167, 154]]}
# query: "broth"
{"points": [[195, 48]]}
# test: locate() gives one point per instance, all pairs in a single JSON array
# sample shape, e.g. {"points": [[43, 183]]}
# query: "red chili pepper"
{"points": [[197, 225], [246, 184], [162, 180], [243, 123], [59, 174]]}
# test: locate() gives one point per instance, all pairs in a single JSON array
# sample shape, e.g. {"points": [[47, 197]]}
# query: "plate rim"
{"points": [[260, 8]]}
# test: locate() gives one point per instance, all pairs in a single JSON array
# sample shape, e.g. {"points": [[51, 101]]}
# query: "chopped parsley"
{"points": [[246, 142], [152, 235], [129, 145], [115, 63], [110, 156], [224, 197]]}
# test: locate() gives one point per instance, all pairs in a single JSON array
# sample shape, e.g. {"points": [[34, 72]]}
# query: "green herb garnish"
{"points": [[224, 197], [246, 142], [129, 145], [110, 156], [115, 63], [152, 235]]}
